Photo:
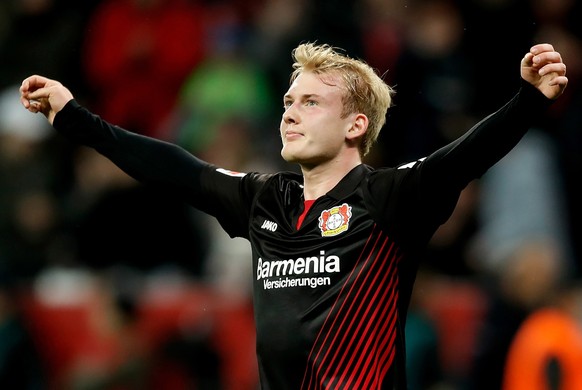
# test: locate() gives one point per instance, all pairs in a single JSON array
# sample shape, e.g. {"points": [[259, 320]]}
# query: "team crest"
{"points": [[335, 220]]}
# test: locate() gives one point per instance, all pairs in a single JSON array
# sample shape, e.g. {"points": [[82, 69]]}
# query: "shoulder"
{"points": [[397, 174]]}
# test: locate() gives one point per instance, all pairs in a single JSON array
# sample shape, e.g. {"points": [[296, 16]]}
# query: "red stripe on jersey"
{"points": [[356, 344], [306, 206]]}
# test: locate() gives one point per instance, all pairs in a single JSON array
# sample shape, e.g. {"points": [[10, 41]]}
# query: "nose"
{"points": [[290, 116], [288, 119]]}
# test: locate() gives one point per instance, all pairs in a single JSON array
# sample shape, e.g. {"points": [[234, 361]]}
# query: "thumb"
{"points": [[527, 60]]}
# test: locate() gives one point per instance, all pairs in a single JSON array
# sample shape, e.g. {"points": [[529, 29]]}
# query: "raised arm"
{"points": [[544, 80], [450, 169], [148, 160]]}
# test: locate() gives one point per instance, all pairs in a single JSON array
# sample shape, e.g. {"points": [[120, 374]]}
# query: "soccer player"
{"points": [[335, 249]]}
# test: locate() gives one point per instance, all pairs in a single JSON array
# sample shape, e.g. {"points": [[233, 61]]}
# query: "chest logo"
{"points": [[335, 220], [269, 225]]}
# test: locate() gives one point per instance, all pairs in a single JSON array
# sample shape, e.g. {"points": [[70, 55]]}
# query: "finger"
{"points": [[547, 57], [558, 68], [34, 107], [541, 47], [38, 94], [25, 102], [24, 87], [528, 59], [25, 99], [30, 105], [36, 80], [561, 81], [33, 83]]}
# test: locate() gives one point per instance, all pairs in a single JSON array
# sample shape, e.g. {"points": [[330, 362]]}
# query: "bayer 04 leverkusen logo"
{"points": [[335, 220]]}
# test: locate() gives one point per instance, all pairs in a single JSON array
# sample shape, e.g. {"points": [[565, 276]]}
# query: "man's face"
{"points": [[312, 129]]}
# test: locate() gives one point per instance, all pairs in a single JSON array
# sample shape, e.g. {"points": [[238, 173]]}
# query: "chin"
{"points": [[288, 155], [296, 155], [289, 158]]}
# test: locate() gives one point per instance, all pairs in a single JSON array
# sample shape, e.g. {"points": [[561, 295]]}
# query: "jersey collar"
{"points": [[350, 182]]}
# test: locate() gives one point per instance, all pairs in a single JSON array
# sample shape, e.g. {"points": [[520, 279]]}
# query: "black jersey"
{"points": [[330, 297]]}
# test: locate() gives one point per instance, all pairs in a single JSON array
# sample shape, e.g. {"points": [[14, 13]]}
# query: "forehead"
{"points": [[309, 83]]}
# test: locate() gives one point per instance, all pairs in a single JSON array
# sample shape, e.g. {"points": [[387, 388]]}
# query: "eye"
{"points": [[287, 104], [310, 103]]}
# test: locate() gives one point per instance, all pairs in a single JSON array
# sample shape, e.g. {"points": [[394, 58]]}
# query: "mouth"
{"points": [[291, 134]]}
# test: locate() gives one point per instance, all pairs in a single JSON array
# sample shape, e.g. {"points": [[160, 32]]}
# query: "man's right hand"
{"points": [[40, 94]]}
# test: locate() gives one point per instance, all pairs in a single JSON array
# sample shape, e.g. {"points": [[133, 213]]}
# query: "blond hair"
{"points": [[365, 93]]}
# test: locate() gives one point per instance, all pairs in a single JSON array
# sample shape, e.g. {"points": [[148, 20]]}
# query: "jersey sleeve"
{"points": [[223, 194], [446, 172], [471, 155], [422, 194]]}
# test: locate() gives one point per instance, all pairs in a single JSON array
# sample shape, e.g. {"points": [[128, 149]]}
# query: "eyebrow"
{"points": [[304, 96]]}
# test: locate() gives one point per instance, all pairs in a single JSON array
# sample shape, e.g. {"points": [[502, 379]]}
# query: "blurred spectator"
{"points": [[138, 52], [225, 116], [423, 341], [39, 37], [546, 352], [422, 353], [527, 246], [508, 23], [228, 267], [383, 31], [563, 126], [450, 249], [336, 23], [218, 122], [558, 14], [115, 221], [523, 249], [223, 98], [433, 83], [30, 211], [522, 201], [87, 328], [21, 366], [279, 25], [276, 28]]}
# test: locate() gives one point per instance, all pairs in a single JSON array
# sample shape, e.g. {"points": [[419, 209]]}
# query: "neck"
{"points": [[320, 179]]}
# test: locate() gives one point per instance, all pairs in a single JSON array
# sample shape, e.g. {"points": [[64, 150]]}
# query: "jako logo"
{"points": [[269, 225]]}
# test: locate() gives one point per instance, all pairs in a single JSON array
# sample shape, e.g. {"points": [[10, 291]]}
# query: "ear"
{"points": [[358, 128]]}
